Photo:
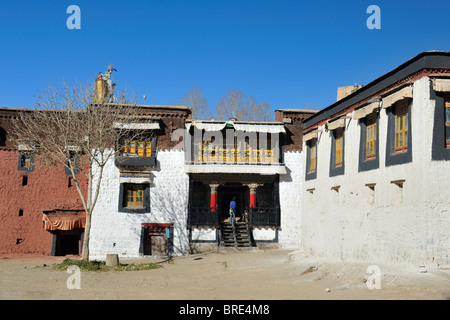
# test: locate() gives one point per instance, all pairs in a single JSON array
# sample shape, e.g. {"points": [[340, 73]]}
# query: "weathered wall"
{"points": [[390, 223], [47, 188], [120, 232]]}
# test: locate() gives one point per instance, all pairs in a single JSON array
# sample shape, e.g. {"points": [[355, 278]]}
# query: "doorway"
{"points": [[226, 193], [155, 243], [67, 242]]}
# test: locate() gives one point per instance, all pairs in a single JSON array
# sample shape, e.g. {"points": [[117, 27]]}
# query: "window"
{"points": [[134, 198], [140, 148], [368, 144], [440, 149], [401, 128], [313, 156], [447, 123], [26, 161], [371, 136], [3, 137], [399, 133], [339, 147], [337, 161], [73, 161]]}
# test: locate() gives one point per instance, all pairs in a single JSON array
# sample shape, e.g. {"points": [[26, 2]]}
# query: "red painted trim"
{"points": [[157, 226]]}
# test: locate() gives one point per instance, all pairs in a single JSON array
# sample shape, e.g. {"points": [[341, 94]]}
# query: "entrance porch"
{"points": [[257, 206]]}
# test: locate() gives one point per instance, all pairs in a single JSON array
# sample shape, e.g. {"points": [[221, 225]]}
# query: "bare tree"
{"points": [[196, 100], [67, 128], [235, 104]]}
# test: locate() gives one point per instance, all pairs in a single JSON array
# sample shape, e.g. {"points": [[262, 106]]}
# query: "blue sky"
{"points": [[289, 53]]}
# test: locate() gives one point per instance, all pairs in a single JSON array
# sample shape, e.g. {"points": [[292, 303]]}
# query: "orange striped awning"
{"points": [[64, 219]]}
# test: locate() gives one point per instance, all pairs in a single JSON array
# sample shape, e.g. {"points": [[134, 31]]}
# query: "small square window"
{"points": [[26, 161], [134, 198], [73, 161]]}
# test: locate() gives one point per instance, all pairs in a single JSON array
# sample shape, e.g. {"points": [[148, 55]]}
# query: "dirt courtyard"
{"points": [[271, 274]]}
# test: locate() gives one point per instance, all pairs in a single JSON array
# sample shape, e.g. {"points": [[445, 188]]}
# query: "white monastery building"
{"points": [[365, 178], [377, 170]]}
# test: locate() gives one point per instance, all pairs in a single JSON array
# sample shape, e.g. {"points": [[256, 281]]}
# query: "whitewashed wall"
{"points": [[412, 224], [290, 201], [120, 232]]}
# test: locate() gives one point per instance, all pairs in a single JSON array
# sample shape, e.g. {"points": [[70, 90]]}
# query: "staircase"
{"points": [[235, 235]]}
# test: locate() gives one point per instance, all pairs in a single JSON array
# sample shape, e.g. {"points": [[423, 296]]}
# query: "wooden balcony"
{"points": [[210, 154], [209, 159]]}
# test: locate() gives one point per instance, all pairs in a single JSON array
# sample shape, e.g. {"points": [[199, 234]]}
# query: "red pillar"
{"points": [[253, 187], [213, 201], [252, 199]]}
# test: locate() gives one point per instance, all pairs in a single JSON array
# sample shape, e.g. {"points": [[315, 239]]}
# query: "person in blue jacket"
{"points": [[233, 209]]}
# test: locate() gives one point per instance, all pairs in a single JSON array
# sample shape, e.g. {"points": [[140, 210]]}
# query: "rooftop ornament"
{"points": [[104, 87]]}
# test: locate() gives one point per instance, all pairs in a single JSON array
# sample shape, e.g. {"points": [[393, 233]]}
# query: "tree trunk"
{"points": [[87, 231]]}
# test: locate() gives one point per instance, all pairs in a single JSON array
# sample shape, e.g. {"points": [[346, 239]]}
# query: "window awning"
{"points": [[137, 125], [259, 127], [135, 178], [206, 126], [310, 135], [406, 92], [365, 111], [441, 85], [247, 127], [339, 123], [64, 220]]}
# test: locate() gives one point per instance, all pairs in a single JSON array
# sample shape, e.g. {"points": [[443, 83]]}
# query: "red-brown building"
{"points": [[40, 210]]}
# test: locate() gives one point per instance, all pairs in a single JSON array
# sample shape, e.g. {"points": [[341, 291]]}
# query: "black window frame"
{"points": [[337, 170], [77, 160], [439, 151], [133, 160], [21, 166], [123, 195], [365, 164], [393, 158], [311, 175]]}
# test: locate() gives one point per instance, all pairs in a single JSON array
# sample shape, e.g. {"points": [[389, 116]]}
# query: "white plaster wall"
{"points": [[358, 223], [204, 234], [120, 232], [264, 234], [290, 201]]}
